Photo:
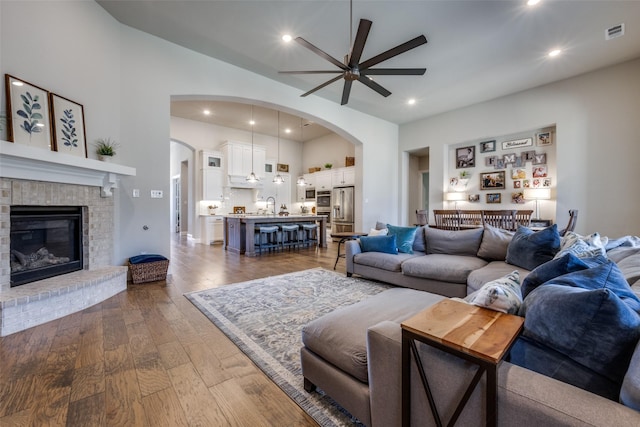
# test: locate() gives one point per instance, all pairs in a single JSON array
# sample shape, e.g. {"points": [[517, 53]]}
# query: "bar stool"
{"points": [[309, 234], [267, 237], [292, 234]]}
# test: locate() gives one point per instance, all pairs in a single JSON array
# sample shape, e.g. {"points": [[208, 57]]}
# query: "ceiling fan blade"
{"points": [[322, 53], [346, 91], [394, 72], [375, 86], [312, 72], [411, 44], [358, 44], [335, 79]]}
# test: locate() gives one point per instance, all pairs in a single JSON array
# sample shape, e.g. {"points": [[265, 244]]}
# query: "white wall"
{"points": [[597, 144], [125, 79], [326, 149]]}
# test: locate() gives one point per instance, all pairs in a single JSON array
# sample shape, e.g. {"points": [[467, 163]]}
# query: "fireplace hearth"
{"points": [[46, 241]]}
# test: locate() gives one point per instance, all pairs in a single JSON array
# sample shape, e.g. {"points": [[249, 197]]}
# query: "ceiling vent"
{"points": [[614, 32]]}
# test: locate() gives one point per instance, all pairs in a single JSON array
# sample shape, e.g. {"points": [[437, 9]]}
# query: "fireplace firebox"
{"points": [[45, 241]]}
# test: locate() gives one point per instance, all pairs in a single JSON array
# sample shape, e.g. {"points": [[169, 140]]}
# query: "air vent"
{"points": [[614, 32]]}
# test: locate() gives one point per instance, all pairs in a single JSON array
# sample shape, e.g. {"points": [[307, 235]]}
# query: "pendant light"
{"points": [[252, 176], [278, 179], [301, 182]]}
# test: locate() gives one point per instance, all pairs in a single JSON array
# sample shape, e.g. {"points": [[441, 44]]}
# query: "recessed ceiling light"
{"points": [[411, 101], [206, 112], [17, 83], [287, 130], [287, 38], [532, 2], [251, 122], [555, 52]]}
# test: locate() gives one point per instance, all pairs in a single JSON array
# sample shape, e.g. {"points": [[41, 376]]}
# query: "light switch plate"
{"points": [[156, 194], [136, 192]]}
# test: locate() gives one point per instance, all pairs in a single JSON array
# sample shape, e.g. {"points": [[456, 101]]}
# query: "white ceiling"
{"points": [[477, 50]]}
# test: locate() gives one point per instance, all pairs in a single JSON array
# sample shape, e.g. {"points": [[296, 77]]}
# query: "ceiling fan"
{"points": [[352, 69]]}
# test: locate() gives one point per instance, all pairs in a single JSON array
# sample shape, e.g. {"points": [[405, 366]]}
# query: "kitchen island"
{"points": [[239, 230]]}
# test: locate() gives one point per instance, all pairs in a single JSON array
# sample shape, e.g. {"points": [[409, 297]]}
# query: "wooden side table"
{"points": [[476, 334]]}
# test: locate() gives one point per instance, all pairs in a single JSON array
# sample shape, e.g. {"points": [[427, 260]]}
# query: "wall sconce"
{"points": [[455, 197], [537, 194]]}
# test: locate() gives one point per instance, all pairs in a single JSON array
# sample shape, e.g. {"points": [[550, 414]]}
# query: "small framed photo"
{"points": [[518, 173], [494, 198], [546, 182], [453, 182], [540, 171], [68, 126], [528, 156], [517, 184], [474, 198], [540, 159], [466, 157], [536, 183], [543, 138], [488, 146], [526, 183], [492, 181], [517, 143], [28, 114], [283, 168], [517, 198]]}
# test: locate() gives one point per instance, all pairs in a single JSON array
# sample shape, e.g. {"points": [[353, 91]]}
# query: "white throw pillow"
{"points": [[502, 294], [374, 232], [582, 246]]}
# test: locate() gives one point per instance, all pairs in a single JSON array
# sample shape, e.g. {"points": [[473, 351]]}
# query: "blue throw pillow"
{"points": [[404, 237], [566, 264], [592, 327], [385, 244], [529, 249], [605, 276]]}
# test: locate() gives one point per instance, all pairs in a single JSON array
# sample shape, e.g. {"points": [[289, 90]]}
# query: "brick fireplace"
{"points": [[59, 180]]}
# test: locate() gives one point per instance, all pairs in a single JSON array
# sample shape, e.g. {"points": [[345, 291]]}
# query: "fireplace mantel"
{"points": [[31, 163]]}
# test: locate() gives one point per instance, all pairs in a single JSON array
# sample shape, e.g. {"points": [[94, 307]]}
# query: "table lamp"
{"points": [[537, 194], [455, 197]]}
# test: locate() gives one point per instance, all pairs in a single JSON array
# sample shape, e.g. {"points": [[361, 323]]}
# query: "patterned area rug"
{"points": [[264, 318]]}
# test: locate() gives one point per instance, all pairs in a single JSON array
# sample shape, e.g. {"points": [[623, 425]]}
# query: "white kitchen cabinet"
{"points": [[211, 177], [301, 192], [242, 159], [310, 179], [343, 177], [283, 191], [212, 181], [323, 181], [212, 229]]}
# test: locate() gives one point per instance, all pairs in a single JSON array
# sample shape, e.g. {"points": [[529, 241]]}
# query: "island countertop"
{"points": [[239, 229]]}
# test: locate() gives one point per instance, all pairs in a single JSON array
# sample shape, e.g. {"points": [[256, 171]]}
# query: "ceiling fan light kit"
{"points": [[354, 70]]}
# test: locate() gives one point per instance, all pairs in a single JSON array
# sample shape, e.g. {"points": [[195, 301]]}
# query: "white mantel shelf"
{"points": [[32, 163]]}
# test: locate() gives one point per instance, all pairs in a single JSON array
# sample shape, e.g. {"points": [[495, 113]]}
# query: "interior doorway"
{"points": [[184, 201], [176, 203]]}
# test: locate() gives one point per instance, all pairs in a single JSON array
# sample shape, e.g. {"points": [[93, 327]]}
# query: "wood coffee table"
{"points": [[476, 334]]}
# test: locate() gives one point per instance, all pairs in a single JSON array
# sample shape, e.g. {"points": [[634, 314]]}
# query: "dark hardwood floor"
{"points": [[148, 357]]}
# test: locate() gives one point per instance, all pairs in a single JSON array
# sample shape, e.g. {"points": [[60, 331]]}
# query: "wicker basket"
{"points": [[149, 271]]}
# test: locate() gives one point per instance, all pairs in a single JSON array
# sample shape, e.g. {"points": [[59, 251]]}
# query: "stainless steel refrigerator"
{"points": [[343, 216]]}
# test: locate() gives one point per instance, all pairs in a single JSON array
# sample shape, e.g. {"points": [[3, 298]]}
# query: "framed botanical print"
{"points": [[28, 114], [68, 126]]}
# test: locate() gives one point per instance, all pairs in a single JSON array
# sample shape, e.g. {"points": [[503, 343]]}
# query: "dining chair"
{"points": [[523, 217], [504, 219], [470, 218], [571, 225], [447, 219], [421, 217]]}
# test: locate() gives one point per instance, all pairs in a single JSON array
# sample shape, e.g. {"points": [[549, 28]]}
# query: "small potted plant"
{"points": [[328, 165], [106, 148], [212, 209]]}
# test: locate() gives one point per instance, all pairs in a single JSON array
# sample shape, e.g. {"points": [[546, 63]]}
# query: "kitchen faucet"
{"points": [[274, 204]]}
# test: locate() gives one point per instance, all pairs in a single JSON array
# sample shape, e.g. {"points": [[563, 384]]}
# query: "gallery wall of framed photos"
{"points": [[494, 172]]}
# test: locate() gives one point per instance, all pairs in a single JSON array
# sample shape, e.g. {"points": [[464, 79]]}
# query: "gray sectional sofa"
{"points": [[354, 353]]}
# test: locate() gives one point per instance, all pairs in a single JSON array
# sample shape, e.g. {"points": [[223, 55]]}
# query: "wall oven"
{"points": [[323, 205]]}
